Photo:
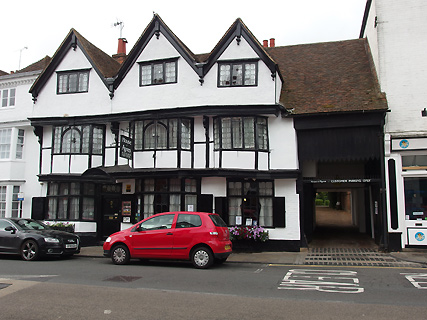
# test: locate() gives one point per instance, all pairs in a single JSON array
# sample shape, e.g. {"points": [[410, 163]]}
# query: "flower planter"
{"points": [[249, 246]]}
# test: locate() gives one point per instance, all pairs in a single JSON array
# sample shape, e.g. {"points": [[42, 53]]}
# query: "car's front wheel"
{"points": [[202, 257], [120, 254], [29, 250]]}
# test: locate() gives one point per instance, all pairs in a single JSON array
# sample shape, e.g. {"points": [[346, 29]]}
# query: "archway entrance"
{"points": [[343, 215]]}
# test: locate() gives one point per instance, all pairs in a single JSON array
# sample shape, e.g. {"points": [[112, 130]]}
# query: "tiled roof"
{"points": [[2, 73], [328, 77], [36, 66], [105, 63]]}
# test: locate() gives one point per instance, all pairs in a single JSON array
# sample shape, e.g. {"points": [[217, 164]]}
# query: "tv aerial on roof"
{"points": [[119, 24]]}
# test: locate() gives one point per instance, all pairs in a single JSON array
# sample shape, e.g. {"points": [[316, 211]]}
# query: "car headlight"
{"points": [[51, 240], [108, 239]]}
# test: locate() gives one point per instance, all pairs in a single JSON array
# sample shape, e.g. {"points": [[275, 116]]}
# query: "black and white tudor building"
{"points": [[248, 131]]}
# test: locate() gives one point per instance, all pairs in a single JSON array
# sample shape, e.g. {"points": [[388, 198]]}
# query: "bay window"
{"points": [[163, 134], [71, 201], [241, 133], [84, 139]]}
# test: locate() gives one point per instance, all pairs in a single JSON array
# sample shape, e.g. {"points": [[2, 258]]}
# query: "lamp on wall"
{"points": [[424, 112]]}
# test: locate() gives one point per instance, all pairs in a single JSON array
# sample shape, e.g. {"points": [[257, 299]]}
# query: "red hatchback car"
{"points": [[203, 238]]}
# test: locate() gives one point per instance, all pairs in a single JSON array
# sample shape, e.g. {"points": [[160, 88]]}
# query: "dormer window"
{"points": [[158, 72], [73, 81], [237, 74]]}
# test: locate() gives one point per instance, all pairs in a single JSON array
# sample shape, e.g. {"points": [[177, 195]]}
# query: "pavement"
{"points": [[327, 256]]}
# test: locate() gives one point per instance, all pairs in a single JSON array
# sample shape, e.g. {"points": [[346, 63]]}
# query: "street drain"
{"points": [[122, 279]]}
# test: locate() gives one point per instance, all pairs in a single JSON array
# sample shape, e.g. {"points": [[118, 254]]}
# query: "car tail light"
{"points": [[213, 233]]}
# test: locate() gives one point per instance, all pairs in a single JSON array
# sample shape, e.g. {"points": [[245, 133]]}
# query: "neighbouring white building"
{"points": [[396, 31], [239, 131], [19, 148]]}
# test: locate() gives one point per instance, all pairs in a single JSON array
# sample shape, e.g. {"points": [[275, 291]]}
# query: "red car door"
{"points": [[153, 238]]}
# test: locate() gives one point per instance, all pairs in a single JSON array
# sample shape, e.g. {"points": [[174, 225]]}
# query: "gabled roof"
{"points": [[155, 28], [328, 77], [2, 73], [237, 31], [201, 63], [104, 65]]}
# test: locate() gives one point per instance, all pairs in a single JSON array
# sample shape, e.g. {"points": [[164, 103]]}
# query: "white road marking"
{"points": [[258, 270], [418, 280], [339, 281]]}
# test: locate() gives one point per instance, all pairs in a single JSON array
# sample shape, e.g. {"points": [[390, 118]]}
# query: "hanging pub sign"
{"points": [[126, 147]]}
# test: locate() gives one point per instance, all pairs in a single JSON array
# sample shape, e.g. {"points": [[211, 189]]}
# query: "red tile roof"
{"points": [[328, 77]]}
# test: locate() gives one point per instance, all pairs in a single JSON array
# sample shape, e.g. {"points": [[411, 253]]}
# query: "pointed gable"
{"points": [[104, 65], [156, 28], [236, 32]]}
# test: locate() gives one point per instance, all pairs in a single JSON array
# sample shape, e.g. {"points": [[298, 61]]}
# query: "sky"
{"points": [[32, 29]]}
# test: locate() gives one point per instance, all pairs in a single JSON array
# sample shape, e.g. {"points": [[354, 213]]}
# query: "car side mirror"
{"points": [[10, 228]]}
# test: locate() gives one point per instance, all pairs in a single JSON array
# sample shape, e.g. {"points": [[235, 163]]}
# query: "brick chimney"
{"points": [[272, 43], [121, 51], [265, 43]]}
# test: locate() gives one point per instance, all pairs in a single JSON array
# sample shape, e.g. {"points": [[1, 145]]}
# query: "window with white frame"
{"points": [[20, 144], [235, 133], [84, 139], [73, 81], [16, 204], [5, 140], [3, 192], [158, 72], [8, 97], [237, 73], [163, 134]]}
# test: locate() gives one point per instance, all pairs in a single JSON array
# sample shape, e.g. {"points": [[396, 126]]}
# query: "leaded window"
{"points": [[235, 74], [71, 201], [166, 194], [236, 133], [250, 202], [73, 81], [85, 139], [163, 134], [158, 72]]}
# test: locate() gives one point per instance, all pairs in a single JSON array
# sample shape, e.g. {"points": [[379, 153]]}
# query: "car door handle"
{"points": [[169, 233]]}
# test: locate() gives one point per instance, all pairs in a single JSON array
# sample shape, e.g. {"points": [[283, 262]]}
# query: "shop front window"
{"points": [[71, 201], [415, 198], [163, 195], [250, 203]]}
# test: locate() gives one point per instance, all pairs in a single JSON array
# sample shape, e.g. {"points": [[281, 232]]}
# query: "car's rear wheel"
{"points": [[29, 250], [120, 254], [202, 257]]}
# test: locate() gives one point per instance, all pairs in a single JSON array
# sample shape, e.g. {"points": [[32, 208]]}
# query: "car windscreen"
{"points": [[31, 224], [218, 222]]}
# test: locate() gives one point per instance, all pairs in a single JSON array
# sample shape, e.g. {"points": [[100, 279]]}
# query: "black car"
{"points": [[32, 239]]}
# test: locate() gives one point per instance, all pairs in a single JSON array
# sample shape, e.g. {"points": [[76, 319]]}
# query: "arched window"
{"points": [[155, 136], [71, 141]]}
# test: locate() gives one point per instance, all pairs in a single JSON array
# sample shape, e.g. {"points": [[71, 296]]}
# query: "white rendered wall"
{"points": [[401, 66], [188, 91], [95, 101]]}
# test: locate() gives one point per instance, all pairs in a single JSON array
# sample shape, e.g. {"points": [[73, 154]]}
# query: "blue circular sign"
{"points": [[404, 143], [419, 236]]}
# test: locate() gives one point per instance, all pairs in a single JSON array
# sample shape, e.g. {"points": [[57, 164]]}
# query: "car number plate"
{"points": [[227, 247], [71, 246]]}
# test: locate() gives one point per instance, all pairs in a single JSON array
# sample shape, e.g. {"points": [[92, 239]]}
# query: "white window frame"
{"points": [[8, 97]]}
